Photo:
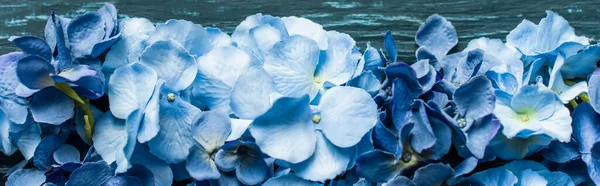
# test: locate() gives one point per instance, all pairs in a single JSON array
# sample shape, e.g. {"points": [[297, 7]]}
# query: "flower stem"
{"points": [[88, 116]]}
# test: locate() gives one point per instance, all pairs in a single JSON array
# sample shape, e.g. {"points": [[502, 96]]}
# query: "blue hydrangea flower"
{"points": [[246, 159], [303, 136], [435, 38], [210, 130]]}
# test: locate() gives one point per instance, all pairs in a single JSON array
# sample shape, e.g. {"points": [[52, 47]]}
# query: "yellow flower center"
{"points": [[524, 117], [171, 97], [316, 119], [317, 80]]}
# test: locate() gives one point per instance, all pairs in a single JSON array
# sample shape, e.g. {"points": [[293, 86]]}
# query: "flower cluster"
{"points": [[281, 101]]}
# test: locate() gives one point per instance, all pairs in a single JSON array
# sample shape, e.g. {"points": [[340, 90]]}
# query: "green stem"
{"points": [[88, 116]]}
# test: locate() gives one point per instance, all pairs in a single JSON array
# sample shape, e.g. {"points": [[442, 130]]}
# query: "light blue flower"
{"points": [[246, 159], [210, 130], [552, 34], [303, 136], [258, 33], [435, 38], [298, 67]]}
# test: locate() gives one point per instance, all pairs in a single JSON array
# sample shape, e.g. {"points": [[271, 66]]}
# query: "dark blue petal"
{"points": [[480, 134], [422, 135], [34, 72], [145, 176], [94, 173], [384, 139], [586, 127], [443, 135], [557, 178], [42, 157], [366, 81], [58, 34], [51, 106], [475, 99], [377, 166], [289, 179], [405, 72], [581, 64], [180, 171], [390, 47], [402, 100], [561, 152], [33, 45], [467, 67], [252, 171], [433, 174]]}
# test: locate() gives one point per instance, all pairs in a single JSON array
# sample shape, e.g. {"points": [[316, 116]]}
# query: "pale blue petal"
{"points": [[210, 129], [437, 34], [218, 38], [12, 105], [110, 137], [189, 35], [238, 128], [218, 72], [84, 31], [307, 28], [172, 63], [292, 63], [372, 61], [149, 126], [174, 139], [26, 137], [252, 171], [475, 99], [467, 67], [263, 38], [250, 97], [390, 46], [594, 90], [338, 63], [535, 98], [34, 72], [286, 131], [494, 176], [66, 153], [51, 106], [242, 35], [33, 45], [25, 177], [6, 146], [109, 17], [119, 53], [399, 181], [378, 166], [94, 173], [201, 166], [347, 114], [315, 169], [289, 179], [132, 26], [433, 174], [531, 178]]}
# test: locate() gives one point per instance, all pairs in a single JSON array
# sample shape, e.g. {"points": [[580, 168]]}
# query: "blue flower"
{"points": [[246, 159], [303, 136], [435, 38], [210, 130]]}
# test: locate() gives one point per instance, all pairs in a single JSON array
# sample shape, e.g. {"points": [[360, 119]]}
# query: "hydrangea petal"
{"points": [[581, 64], [378, 166], [110, 137], [338, 63], [286, 131], [252, 171], [33, 45], [218, 38], [494, 176], [437, 34], [327, 162], [94, 173], [289, 179], [171, 62], [466, 166], [402, 100], [26, 177], [367, 81], [238, 128], [585, 127], [347, 114], [390, 46], [433, 174], [242, 37], [84, 31], [15, 107], [191, 36], [250, 97], [422, 135], [475, 99], [307, 28], [218, 72], [292, 63], [210, 129], [34, 72], [122, 181], [201, 166], [66, 153], [51, 106], [480, 134], [152, 163], [174, 139]]}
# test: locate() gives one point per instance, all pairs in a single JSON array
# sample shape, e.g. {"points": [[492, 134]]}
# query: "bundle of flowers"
{"points": [[281, 101]]}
